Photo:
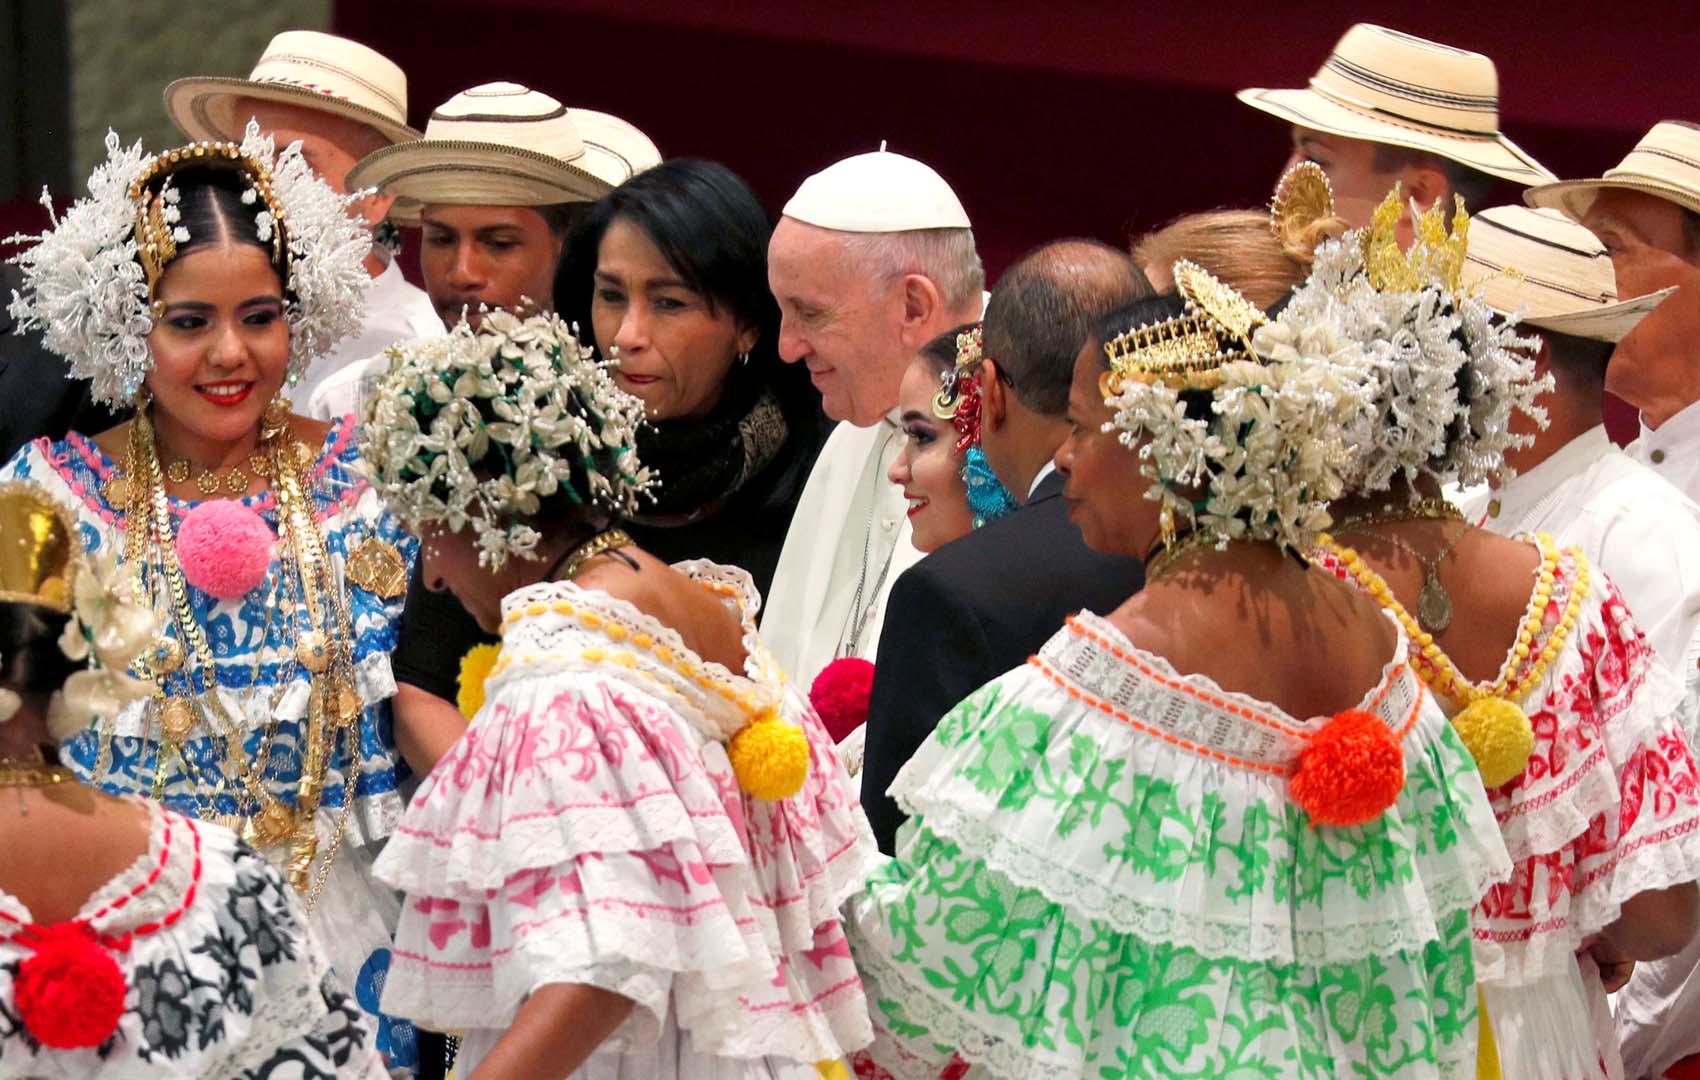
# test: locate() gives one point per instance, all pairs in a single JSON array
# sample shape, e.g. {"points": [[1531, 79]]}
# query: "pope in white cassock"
{"points": [[873, 257]]}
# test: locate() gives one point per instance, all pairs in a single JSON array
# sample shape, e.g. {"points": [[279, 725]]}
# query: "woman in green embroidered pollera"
{"points": [[1222, 831]]}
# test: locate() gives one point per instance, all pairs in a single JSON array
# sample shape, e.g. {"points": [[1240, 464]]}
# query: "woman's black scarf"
{"points": [[703, 463]]}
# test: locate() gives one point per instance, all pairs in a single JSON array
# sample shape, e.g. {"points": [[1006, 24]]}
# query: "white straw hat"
{"points": [[1665, 163], [1552, 270], [299, 67], [1383, 86], [502, 144]]}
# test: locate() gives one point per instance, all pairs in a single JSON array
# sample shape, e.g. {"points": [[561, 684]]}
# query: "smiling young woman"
{"points": [[192, 286]]}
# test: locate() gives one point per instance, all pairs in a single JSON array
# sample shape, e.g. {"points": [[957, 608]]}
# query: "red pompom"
{"points": [[840, 695], [1351, 771], [70, 993]]}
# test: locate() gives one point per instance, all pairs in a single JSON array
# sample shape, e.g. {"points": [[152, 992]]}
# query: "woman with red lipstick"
{"points": [[668, 274], [942, 471], [190, 286]]}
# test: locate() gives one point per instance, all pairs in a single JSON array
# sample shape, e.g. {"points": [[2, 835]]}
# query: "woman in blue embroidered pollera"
{"points": [[191, 287]]}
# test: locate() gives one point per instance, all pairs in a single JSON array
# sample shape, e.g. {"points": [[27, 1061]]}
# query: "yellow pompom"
{"points": [[1499, 736], [770, 757], [474, 669]]}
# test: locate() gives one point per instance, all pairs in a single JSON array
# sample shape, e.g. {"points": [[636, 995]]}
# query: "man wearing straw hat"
{"points": [[495, 184], [1646, 212], [872, 258], [341, 101], [1571, 482], [1388, 107]]}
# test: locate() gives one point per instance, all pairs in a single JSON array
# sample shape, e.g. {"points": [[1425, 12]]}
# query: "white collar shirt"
{"points": [[1673, 450], [338, 382]]}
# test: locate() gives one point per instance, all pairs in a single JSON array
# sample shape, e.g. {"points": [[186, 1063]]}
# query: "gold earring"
{"points": [[276, 418], [1166, 525]]}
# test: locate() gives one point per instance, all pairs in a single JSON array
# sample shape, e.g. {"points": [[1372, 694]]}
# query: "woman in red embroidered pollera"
{"points": [[134, 941]]}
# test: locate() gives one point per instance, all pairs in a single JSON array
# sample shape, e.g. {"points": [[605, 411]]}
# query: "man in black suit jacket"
{"points": [[983, 604]]}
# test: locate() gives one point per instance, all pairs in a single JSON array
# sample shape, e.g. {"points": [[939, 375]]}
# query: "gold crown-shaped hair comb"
{"points": [[39, 545], [952, 380], [1302, 198], [1436, 256], [156, 243], [1186, 352]]}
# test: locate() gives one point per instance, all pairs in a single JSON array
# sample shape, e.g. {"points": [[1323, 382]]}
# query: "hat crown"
{"points": [[511, 115], [1402, 77], [336, 67], [877, 192], [1670, 151]]}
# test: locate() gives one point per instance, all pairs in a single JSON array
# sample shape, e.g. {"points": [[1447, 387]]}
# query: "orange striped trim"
{"points": [[1068, 686]]}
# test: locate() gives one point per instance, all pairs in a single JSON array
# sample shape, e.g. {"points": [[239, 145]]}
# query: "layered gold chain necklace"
{"points": [[323, 649]]}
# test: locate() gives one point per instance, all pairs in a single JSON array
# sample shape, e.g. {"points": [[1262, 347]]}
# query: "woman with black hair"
{"points": [[668, 273], [134, 940]]}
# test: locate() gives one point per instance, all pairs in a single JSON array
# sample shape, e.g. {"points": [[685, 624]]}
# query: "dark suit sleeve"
{"points": [[933, 653]]}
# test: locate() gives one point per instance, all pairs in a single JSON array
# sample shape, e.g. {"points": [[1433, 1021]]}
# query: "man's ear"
{"points": [[372, 208], [994, 396], [1425, 185], [921, 302]]}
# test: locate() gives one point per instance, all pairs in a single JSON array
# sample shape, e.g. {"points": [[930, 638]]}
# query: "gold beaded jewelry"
{"points": [[600, 544], [1524, 667]]}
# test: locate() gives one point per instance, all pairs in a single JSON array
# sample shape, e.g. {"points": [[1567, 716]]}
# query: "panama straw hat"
{"points": [[1553, 271], [502, 144], [299, 67], [1383, 86], [1665, 163]]}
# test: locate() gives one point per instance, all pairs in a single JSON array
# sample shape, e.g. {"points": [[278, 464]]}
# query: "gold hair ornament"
{"points": [[1188, 351], [1436, 259], [39, 548], [953, 381], [1302, 198]]}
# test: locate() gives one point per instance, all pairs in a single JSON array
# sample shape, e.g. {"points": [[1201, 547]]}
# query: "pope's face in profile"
{"points": [[843, 323]]}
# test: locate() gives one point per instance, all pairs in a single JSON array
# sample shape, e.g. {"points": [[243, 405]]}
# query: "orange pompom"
{"points": [[1351, 771]]}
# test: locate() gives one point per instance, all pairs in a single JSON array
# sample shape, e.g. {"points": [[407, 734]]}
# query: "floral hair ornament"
{"points": [[479, 427], [1445, 373], [89, 279], [958, 400], [1269, 455]]}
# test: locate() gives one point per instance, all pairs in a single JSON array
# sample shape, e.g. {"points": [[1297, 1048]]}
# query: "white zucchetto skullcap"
{"points": [[881, 192]]}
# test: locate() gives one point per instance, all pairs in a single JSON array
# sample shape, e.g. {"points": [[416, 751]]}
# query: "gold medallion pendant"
{"points": [[1434, 606], [378, 568], [176, 718], [270, 827], [313, 651]]}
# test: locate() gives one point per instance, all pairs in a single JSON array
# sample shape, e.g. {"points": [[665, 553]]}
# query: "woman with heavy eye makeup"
{"points": [[191, 287]]}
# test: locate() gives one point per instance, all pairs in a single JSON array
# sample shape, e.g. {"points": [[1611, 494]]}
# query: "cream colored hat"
{"points": [[502, 144], [880, 192], [1552, 270], [299, 67], [1665, 163], [1387, 87]]}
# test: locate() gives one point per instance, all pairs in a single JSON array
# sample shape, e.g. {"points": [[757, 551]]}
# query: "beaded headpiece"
{"points": [[1267, 455], [479, 427], [89, 280], [39, 548], [1444, 373]]}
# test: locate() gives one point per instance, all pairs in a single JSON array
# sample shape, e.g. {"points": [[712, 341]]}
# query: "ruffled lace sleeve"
{"points": [[586, 830]]}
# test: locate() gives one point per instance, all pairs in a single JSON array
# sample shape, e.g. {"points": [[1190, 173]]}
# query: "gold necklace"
{"points": [[1174, 550], [231, 478], [1434, 603], [600, 544], [32, 774]]}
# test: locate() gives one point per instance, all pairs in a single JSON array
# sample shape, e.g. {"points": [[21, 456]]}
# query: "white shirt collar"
{"points": [[1681, 430], [1518, 499], [1047, 469]]}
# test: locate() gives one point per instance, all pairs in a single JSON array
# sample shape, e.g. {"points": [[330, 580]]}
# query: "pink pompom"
{"points": [[225, 548], [840, 695]]}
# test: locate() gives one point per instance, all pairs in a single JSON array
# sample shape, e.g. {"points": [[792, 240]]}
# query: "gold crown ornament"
{"points": [[1302, 198], [1186, 352], [39, 548], [1435, 258], [954, 380]]}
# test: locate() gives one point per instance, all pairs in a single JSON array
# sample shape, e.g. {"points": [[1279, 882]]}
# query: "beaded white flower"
{"points": [[1445, 373], [479, 428], [1272, 452], [85, 289]]}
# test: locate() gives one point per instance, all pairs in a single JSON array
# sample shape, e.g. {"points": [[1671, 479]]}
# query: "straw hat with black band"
{"points": [[502, 144], [1553, 271], [1665, 164], [299, 67], [1382, 86]]}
